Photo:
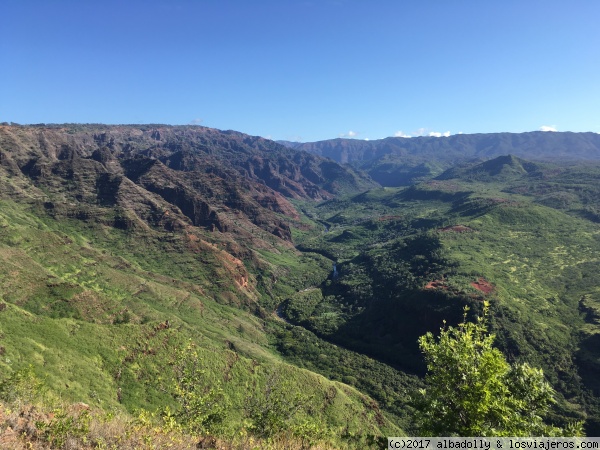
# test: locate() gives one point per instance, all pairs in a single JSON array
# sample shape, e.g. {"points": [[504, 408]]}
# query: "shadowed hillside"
{"points": [[409, 259]]}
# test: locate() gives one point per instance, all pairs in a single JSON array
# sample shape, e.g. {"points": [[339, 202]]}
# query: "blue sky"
{"points": [[304, 70]]}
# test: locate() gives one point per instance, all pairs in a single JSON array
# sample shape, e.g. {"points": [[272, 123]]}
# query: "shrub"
{"points": [[473, 391]]}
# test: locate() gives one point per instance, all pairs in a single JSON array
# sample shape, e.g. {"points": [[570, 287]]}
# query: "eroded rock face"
{"points": [[199, 174], [187, 183], [219, 194], [162, 176]]}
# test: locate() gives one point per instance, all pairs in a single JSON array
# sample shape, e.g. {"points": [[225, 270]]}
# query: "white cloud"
{"points": [[349, 134], [548, 128], [439, 134], [423, 132], [195, 122]]}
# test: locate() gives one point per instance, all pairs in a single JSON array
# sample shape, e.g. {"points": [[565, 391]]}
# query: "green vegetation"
{"points": [[409, 258], [161, 284], [136, 330], [473, 391], [201, 405]]}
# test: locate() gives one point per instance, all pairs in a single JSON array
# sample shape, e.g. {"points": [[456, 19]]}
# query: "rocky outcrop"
{"points": [[166, 177]]}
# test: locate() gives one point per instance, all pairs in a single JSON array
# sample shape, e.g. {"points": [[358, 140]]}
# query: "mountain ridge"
{"points": [[500, 168], [397, 161]]}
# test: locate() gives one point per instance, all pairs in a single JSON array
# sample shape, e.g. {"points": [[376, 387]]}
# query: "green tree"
{"points": [[473, 391], [22, 386], [277, 406], [202, 403]]}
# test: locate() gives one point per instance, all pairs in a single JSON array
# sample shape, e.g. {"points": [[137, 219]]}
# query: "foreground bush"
{"points": [[473, 391]]}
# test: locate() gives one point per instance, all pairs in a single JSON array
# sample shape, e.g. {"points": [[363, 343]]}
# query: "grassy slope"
{"points": [[88, 306]]}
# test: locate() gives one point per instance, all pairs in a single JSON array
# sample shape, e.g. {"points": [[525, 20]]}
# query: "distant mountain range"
{"points": [[396, 161]]}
